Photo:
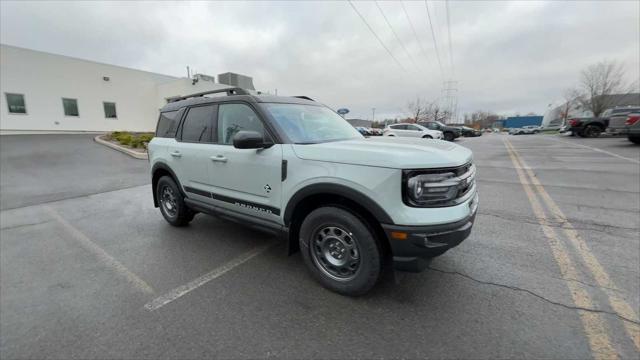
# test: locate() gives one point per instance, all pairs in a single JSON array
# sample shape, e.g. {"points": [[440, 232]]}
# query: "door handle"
{"points": [[175, 154], [219, 158]]}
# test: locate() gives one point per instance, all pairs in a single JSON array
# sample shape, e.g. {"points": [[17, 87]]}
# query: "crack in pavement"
{"points": [[603, 228], [511, 287]]}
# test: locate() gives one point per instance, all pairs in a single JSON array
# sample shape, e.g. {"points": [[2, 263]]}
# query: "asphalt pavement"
{"points": [[89, 268]]}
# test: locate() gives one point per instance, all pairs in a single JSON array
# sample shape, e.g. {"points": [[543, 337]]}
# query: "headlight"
{"points": [[437, 187]]}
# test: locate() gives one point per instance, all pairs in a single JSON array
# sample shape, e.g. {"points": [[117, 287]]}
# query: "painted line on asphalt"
{"points": [[619, 305], [636, 161], [99, 253], [198, 282], [593, 323]]}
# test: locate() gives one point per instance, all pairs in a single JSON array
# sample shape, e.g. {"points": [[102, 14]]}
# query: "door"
{"points": [[400, 130], [245, 180], [193, 149], [414, 131]]}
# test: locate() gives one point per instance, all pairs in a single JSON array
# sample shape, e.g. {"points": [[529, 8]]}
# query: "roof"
{"points": [[248, 98]]}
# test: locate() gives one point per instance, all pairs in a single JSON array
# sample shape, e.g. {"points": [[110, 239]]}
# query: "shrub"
{"points": [[135, 142], [125, 139], [145, 137]]}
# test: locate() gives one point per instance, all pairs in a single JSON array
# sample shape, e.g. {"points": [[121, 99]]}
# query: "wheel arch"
{"points": [[313, 196], [159, 170]]}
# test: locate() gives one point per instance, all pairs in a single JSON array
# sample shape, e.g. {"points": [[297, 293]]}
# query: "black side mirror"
{"points": [[249, 140]]}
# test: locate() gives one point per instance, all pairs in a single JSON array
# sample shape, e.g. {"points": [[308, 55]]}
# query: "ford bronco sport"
{"points": [[292, 166]]}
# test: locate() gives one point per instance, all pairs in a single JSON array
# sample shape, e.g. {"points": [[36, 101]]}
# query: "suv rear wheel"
{"points": [[171, 201], [592, 131], [340, 250]]}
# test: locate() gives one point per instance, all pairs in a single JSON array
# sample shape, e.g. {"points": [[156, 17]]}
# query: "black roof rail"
{"points": [[303, 97], [229, 91]]}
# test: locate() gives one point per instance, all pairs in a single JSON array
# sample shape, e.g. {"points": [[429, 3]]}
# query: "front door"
{"points": [[245, 180]]}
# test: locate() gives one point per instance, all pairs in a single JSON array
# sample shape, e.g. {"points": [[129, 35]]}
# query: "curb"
{"points": [[133, 154]]}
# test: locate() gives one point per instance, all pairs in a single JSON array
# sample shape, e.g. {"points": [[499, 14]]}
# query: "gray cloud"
{"points": [[509, 56]]}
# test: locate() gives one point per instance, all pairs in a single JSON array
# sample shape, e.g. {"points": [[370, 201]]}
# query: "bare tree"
{"points": [[417, 109], [570, 97], [598, 82], [436, 113]]}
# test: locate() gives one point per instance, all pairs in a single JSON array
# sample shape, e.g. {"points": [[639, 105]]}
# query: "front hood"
{"points": [[389, 152]]}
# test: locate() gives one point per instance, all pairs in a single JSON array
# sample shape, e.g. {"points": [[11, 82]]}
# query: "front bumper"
{"points": [[424, 242]]}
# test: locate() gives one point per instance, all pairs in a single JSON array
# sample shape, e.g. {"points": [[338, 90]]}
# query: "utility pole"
{"points": [[450, 93], [373, 115]]}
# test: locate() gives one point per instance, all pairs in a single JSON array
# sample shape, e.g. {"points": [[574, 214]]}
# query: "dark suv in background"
{"points": [[450, 132]]}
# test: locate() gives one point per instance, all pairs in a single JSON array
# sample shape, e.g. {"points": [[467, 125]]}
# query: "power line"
{"points": [[450, 45], [396, 36], [376, 35], [414, 30], [433, 36]]}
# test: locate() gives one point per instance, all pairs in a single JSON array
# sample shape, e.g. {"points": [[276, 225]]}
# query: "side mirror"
{"points": [[249, 140]]}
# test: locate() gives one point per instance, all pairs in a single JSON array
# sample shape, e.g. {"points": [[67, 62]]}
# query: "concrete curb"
{"points": [[132, 153]]}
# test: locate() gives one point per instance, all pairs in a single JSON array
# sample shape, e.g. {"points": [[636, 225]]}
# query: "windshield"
{"points": [[441, 124], [310, 124]]}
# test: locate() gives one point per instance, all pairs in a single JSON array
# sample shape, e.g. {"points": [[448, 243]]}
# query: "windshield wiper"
{"points": [[306, 143]]}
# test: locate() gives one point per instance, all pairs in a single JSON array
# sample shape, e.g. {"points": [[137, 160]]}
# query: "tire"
{"points": [[171, 203], [449, 136], [634, 139], [427, 137], [581, 133], [341, 251], [592, 131]]}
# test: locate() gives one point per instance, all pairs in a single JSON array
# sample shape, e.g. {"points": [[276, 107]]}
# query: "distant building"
{"points": [[518, 121], [236, 80], [43, 92], [360, 122]]}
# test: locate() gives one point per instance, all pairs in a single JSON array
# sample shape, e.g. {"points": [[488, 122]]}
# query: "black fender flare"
{"points": [[329, 188], [163, 166]]}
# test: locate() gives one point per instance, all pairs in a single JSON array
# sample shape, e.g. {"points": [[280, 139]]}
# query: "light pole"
{"points": [[373, 114]]}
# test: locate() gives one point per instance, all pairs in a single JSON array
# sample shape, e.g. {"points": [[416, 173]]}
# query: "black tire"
{"points": [[427, 137], [634, 139], [171, 203], [581, 133], [592, 131], [449, 136], [341, 251]]}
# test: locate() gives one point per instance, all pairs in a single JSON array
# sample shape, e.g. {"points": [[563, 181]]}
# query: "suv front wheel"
{"points": [[171, 202], [341, 251]]}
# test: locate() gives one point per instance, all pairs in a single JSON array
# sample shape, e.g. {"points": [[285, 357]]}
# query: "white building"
{"points": [[43, 92]]}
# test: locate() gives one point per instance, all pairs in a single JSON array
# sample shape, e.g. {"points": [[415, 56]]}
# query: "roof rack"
{"points": [[303, 97], [229, 91]]}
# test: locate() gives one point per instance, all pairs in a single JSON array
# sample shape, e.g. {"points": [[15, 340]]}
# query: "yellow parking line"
{"points": [[619, 305], [593, 323]]}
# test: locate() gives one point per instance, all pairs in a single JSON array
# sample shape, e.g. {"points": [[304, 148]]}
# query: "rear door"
{"points": [[247, 181], [194, 147]]}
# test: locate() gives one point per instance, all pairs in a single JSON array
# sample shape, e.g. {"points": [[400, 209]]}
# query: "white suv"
{"points": [[412, 130], [294, 167]]}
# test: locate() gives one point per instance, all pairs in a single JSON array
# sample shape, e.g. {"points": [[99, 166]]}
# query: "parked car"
{"points": [[528, 129], [412, 130], [470, 132], [589, 127], [632, 125], [375, 131], [450, 132], [617, 117], [363, 130], [293, 167]]}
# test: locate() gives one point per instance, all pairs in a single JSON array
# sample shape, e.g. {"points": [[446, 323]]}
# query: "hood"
{"points": [[389, 152]]}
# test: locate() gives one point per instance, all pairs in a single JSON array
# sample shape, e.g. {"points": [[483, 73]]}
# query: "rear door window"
{"points": [[167, 124], [198, 124]]}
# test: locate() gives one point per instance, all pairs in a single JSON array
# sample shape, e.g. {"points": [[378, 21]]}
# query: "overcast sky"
{"points": [[508, 57]]}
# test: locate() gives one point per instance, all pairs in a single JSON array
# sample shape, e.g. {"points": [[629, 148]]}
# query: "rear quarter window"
{"points": [[167, 124]]}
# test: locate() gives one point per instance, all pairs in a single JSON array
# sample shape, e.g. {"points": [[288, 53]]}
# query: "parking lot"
{"points": [[90, 269]]}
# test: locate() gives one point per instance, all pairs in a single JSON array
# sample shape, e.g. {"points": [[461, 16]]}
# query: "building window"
{"points": [[110, 110], [16, 103], [70, 107]]}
